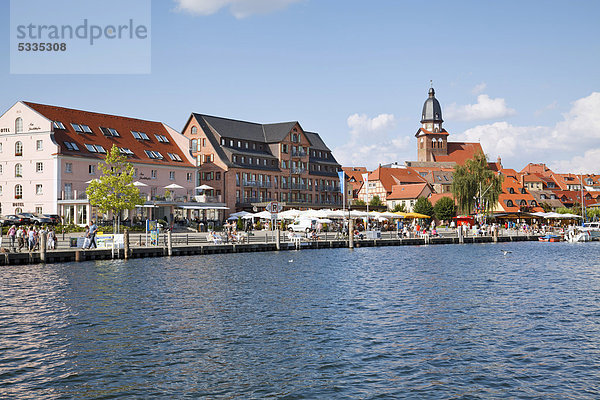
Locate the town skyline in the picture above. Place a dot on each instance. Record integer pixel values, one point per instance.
(503, 84)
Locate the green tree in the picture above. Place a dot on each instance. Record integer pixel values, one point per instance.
(564, 210)
(445, 209)
(360, 203)
(423, 206)
(473, 182)
(547, 207)
(114, 190)
(399, 208)
(375, 201)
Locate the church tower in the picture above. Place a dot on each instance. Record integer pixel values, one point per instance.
(432, 138)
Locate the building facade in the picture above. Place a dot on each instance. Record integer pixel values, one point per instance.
(249, 164)
(50, 154)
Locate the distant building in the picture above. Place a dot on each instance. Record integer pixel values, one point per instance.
(382, 180)
(433, 147)
(250, 164)
(407, 195)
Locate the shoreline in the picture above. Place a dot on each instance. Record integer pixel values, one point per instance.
(80, 255)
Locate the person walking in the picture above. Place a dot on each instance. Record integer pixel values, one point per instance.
(93, 230)
(21, 237)
(12, 235)
(30, 239)
(51, 239)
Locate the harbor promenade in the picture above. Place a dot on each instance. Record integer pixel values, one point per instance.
(185, 244)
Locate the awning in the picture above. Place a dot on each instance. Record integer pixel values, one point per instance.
(202, 207)
(145, 206)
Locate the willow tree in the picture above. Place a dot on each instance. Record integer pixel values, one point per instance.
(475, 186)
(114, 191)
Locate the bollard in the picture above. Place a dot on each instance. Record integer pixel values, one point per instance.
(78, 255)
(126, 244)
(351, 234)
(495, 234)
(43, 239)
(169, 244)
(278, 240)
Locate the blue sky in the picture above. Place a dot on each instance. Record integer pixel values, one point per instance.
(521, 77)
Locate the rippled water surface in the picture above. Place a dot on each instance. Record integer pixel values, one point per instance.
(430, 322)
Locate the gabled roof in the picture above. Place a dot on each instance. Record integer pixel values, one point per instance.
(275, 133)
(405, 192)
(395, 176)
(424, 131)
(234, 129)
(520, 195)
(459, 152)
(435, 197)
(123, 125)
(533, 168)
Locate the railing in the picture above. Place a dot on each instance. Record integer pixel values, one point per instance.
(298, 153)
(328, 188)
(298, 170)
(260, 184)
(249, 200)
(203, 198)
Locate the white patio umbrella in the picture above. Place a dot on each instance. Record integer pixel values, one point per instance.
(204, 187)
(289, 214)
(91, 180)
(240, 214)
(138, 183)
(173, 186)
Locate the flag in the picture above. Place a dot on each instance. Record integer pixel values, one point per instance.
(342, 176)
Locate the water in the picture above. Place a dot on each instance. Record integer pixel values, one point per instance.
(430, 322)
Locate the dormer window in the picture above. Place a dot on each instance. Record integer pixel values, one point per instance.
(511, 190)
(161, 138)
(58, 125)
(109, 131)
(140, 135)
(510, 203)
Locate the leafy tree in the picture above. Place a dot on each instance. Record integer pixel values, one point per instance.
(547, 207)
(360, 203)
(593, 214)
(375, 201)
(423, 206)
(564, 210)
(114, 190)
(473, 182)
(399, 208)
(445, 209)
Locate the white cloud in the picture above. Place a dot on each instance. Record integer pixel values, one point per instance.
(238, 8)
(371, 141)
(485, 108)
(588, 163)
(479, 88)
(571, 145)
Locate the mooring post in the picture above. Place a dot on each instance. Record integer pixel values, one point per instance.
(43, 239)
(126, 243)
(351, 233)
(278, 240)
(495, 234)
(169, 244)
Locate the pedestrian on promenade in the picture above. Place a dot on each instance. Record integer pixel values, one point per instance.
(51, 239)
(93, 230)
(21, 237)
(30, 239)
(12, 235)
(86, 237)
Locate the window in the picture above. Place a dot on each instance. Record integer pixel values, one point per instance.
(284, 148)
(92, 169)
(194, 144)
(172, 175)
(0, 190)
(0, 168)
(162, 138)
(38, 210)
(39, 167)
(239, 144)
(174, 157)
(222, 141)
(126, 151)
(38, 189)
(153, 174)
(0, 147)
(95, 148)
(194, 130)
(18, 171)
(140, 135)
(39, 145)
(154, 154)
(71, 146)
(188, 176)
(18, 192)
(19, 125)
(109, 131)
(18, 149)
(230, 142)
(523, 203)
(511, 190)
(58, 125)
(86, 129)
(204, 142)
(68, 168)
(510, 203)
(135, 172)
(218, 176)
(77, 128)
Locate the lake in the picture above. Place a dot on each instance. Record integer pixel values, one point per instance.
(426, 322)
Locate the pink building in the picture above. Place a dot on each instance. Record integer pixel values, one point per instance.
(48, 156)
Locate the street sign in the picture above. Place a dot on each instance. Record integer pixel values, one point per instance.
(274, 207)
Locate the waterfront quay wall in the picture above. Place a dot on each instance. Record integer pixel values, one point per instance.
(78, 255)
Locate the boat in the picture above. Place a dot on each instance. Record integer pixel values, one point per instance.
(593, 229)
(550, 238)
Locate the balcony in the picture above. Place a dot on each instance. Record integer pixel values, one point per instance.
(203, 198)
(258, 184)
(298, 171)
(298, 153)
(328, 188)
(250, 200)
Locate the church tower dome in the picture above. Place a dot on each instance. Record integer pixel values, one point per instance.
(432, 111)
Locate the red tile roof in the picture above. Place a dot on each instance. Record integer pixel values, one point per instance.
(123, 125)
(410, 191)
(520, 195)
(459, 152)
(435, 197)
(541, 169)
(395, 176)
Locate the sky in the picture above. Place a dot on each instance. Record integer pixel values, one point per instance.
(521, 77)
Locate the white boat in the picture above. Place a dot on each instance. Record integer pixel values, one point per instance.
(593, 228)
(586, 233)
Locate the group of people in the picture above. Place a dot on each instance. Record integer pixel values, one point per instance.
(29, 236)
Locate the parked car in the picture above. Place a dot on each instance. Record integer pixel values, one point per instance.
(55, 218)
(303, 225)
(40, 219)
(8, 220)
(26, 217)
